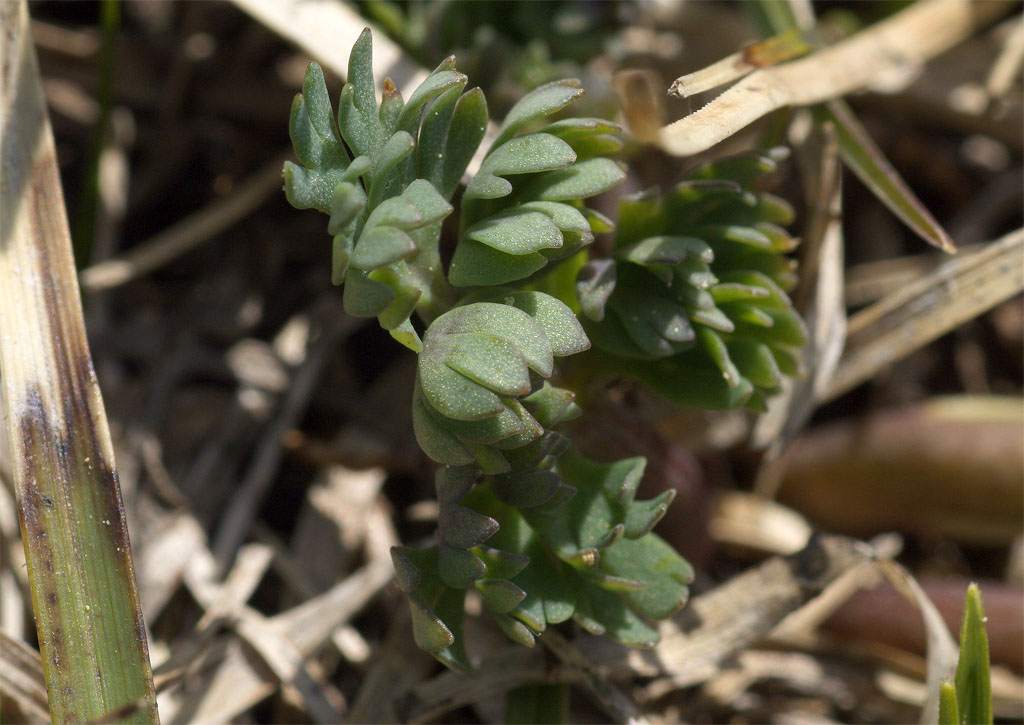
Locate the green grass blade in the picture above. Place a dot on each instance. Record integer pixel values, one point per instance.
(973, 681)
(949, 711)
(89, 624)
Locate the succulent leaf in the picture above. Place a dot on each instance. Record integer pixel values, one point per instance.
(695, 290)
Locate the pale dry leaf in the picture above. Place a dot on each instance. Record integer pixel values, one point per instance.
(904, 41)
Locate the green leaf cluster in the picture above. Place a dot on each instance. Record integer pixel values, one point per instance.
(693, 301)
(385, 175)
(524, 207)
(573, 543)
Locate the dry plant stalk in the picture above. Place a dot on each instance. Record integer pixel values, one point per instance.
(91, 634)
(896, 45)
(958, 291)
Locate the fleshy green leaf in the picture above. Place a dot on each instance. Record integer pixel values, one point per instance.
(380, 247)
(594, 285)
(478, 264)
(649, 560)
(532, 153)
(537, 104)
(516, 232)
(949, 711)
(465, 133)
(560, 326)
(579, 181)
(491, 361)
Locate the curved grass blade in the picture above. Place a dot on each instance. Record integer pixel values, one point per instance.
(868, 162)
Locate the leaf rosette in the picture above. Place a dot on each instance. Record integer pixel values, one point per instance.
(693, 302)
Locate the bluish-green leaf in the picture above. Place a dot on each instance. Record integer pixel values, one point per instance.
(310, 189)
(494, 362)
(362, 296)
(464, 136)
(594, 286)
(380, 247)
(436, 83)
(433, 437)
(537, 104)
(357, 108)
(387, 167)
(517, 232)
(433, 134)
(528, 154)
(648, 559)
(452, 394)
(311, 125)
(563, 330)
(478, 264)
(579, 181)
(391, 105)
(502, 321)
(346, 204)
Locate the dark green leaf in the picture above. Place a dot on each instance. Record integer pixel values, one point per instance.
(458, 567)
(500, 595)
(463, 528)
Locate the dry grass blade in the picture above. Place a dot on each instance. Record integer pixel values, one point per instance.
(327, 29)
(957, 291)
(92, 638)
(187, 234)
(904, 41)
(942, 650)
(732, 616)
(21, 678)
(786, 46)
